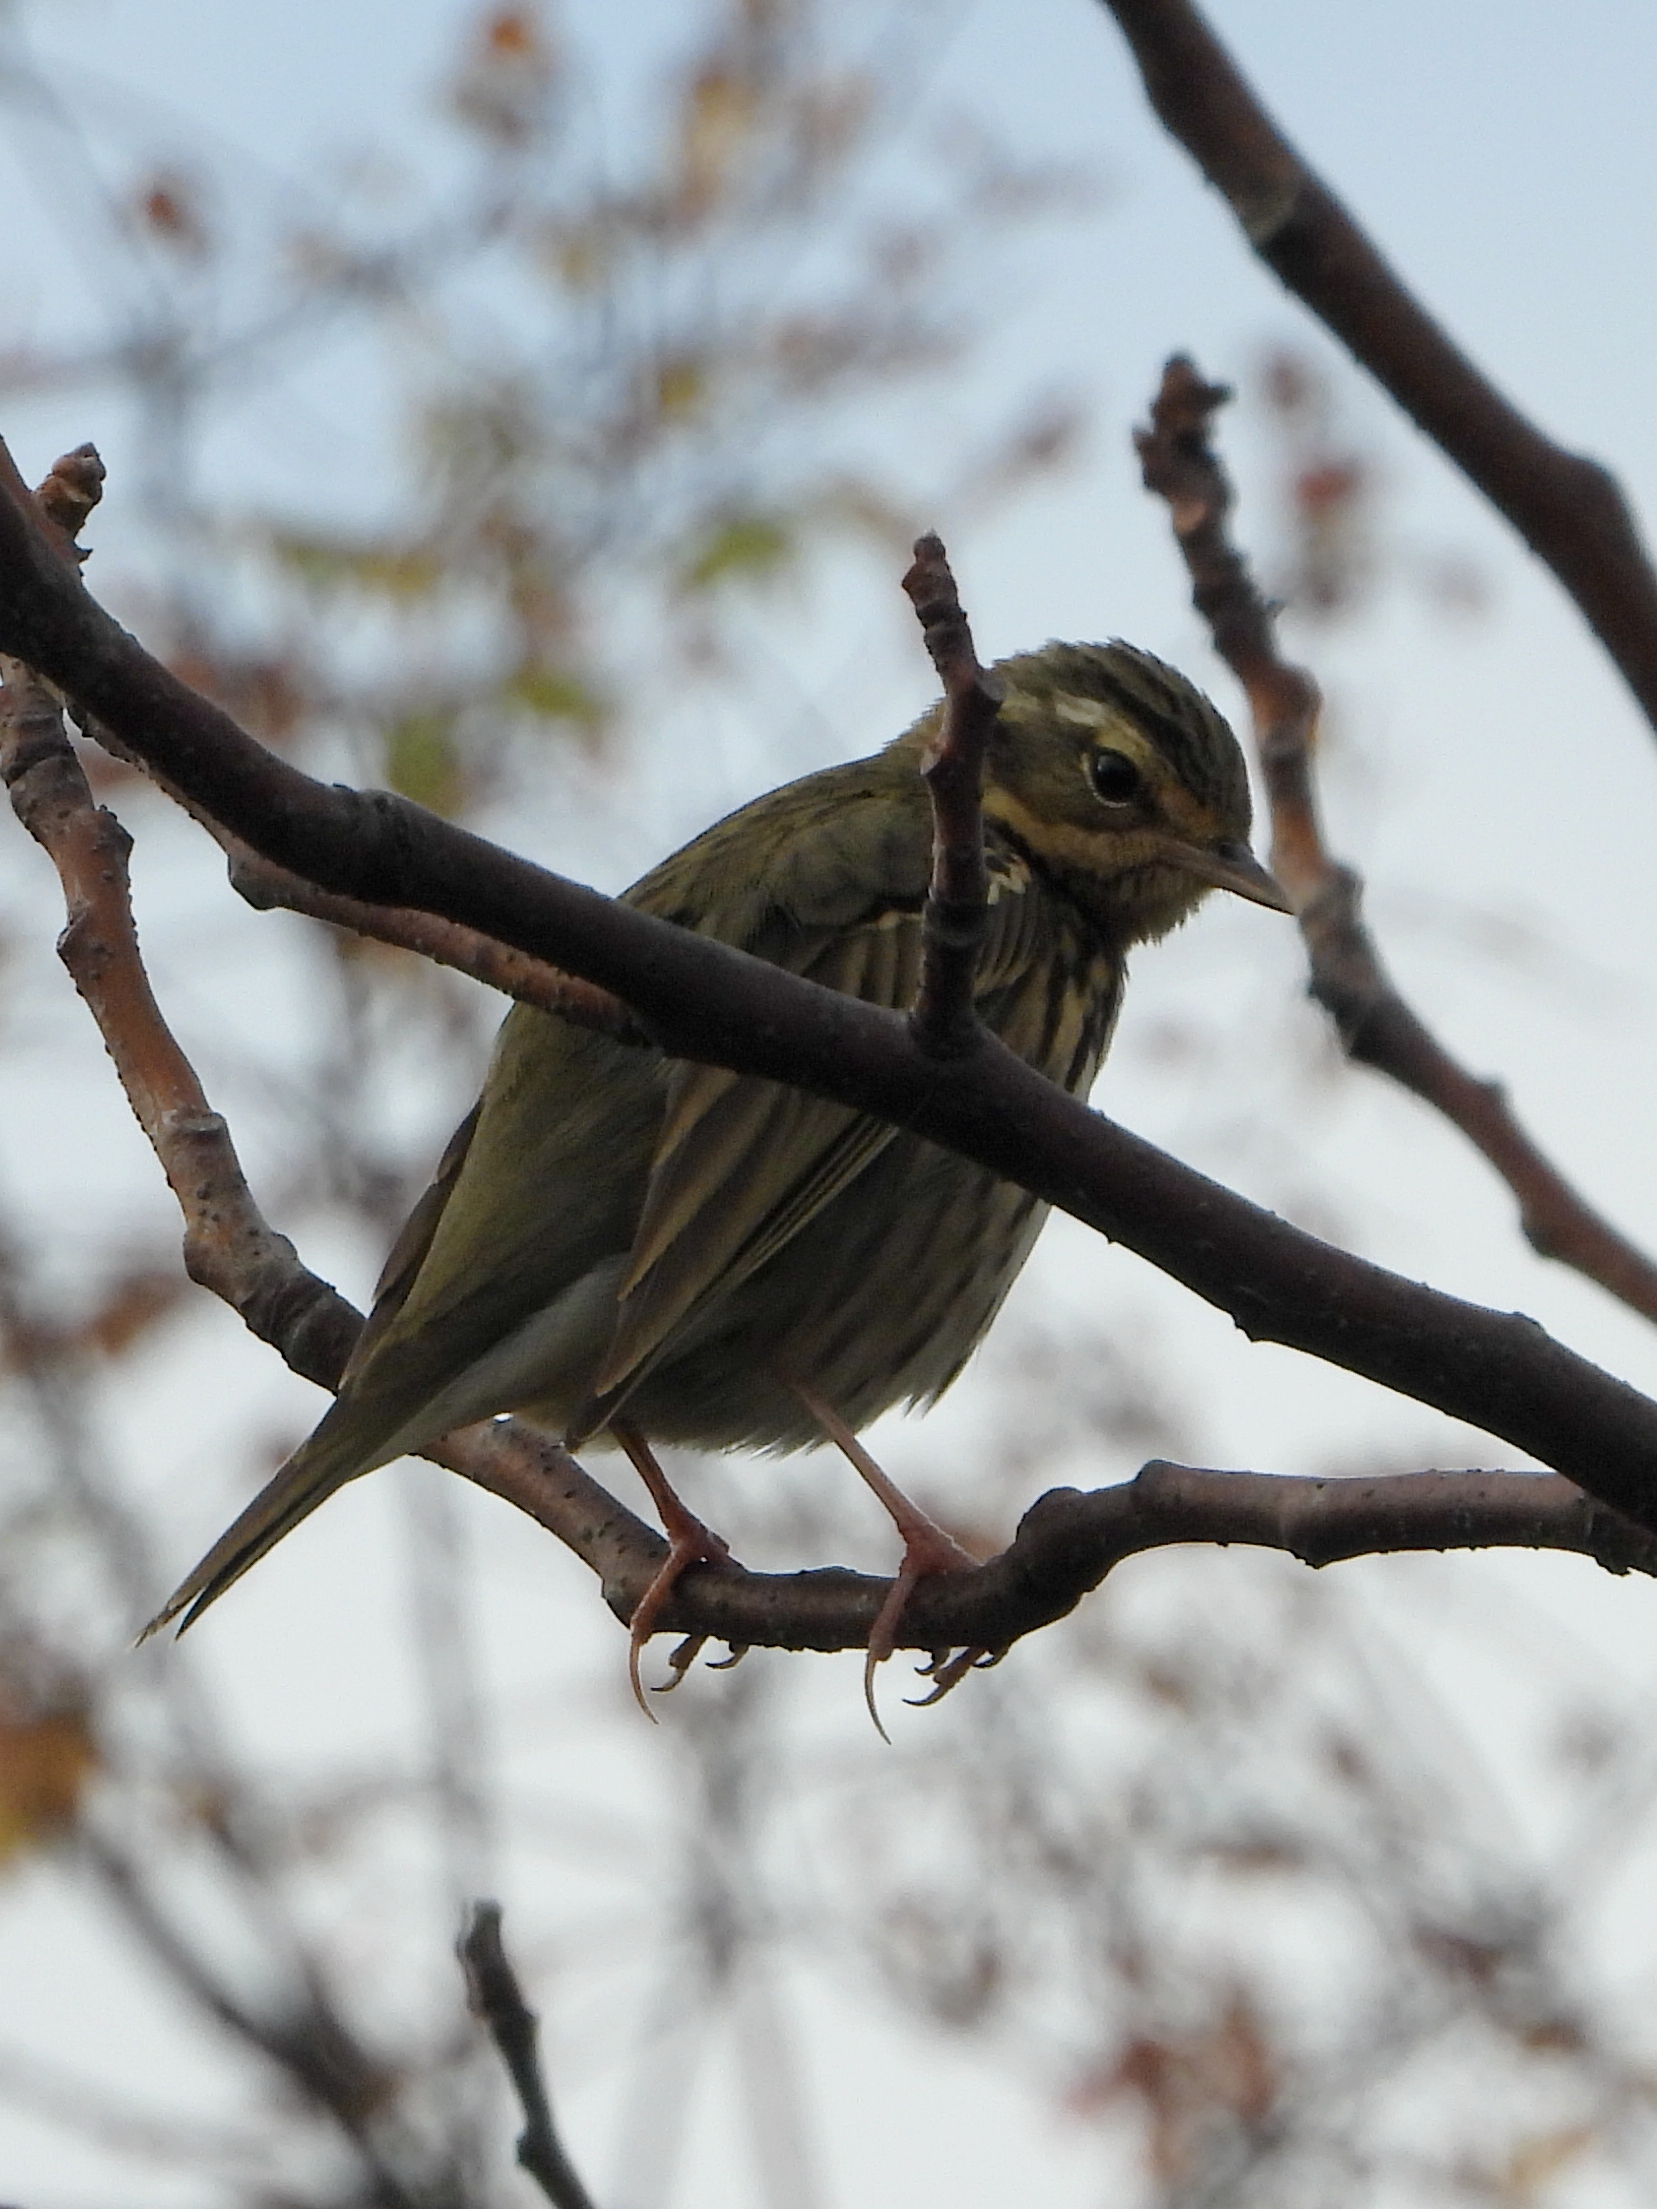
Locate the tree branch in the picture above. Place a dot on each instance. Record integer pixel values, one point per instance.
(1066, 1543)
(1568, 508)
(229, 1246)
(495, 1996)
(943, 1019)
(1069, 1540)
(267, 888)
(1376, 1026)
(304, 2038)
(709, 1003)
(498, 965)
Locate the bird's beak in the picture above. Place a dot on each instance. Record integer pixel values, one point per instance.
(1231, 867)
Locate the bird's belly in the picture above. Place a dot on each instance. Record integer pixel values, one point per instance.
(878, 1301)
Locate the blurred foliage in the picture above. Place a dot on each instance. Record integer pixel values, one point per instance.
(629, 383)
(48, 1757)
(1185, 1868)
(1339, 552)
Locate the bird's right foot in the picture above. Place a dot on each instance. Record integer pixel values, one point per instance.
(689, 1542)
(927, 1550)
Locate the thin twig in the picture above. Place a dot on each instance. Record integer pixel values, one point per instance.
(956, 914)
(268, 887)
(495, 1996)
(70, 494)
(1348, 979)
(1568, 508)
(305, 2038)
(514, 973)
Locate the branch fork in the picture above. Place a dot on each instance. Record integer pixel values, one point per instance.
(1279, 1284)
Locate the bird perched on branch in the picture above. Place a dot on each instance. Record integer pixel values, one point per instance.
(627, 1247)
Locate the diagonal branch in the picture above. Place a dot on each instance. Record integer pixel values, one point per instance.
(1066, 1543)
(1568, 508)
(495, 1996)
(1348, 979)
(466, 950)
(268, 888)
(229, 1246)
(956, 913)
(709, 1003)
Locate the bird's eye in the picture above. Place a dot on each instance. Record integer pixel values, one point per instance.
(1114, 777)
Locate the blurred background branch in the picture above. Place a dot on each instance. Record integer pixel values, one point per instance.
(533, 423)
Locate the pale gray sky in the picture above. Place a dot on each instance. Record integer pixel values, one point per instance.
(1502, 154)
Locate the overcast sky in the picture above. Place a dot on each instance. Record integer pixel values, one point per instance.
(1488, 774)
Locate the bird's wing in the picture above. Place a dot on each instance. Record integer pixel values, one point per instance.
(557, 1097)
(408, 1253)
(742, 1165)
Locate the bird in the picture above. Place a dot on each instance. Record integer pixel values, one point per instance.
(625, 1248)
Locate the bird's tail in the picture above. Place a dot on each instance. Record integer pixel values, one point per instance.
(318, 1467)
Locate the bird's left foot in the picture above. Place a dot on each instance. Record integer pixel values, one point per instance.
(949, 1668)
(689, 1542)
(927, 1550)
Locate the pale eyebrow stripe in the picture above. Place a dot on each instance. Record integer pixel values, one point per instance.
(1085, 713)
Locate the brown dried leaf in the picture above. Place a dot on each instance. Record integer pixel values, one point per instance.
(128, 1309)
(1228, 2065)
(502, 87)
(169, 206)
(46, 1762)
(720, 112)
(1240, 2062)
(1534, 2163)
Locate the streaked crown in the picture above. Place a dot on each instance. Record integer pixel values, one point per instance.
(1189, 731)
(1118, 777)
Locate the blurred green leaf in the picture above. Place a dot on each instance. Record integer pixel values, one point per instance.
(423, 762)
(680, 385)
(746, 545)
(557, 694)
(374, 564)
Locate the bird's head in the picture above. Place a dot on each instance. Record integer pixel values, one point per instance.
(1118, 778)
